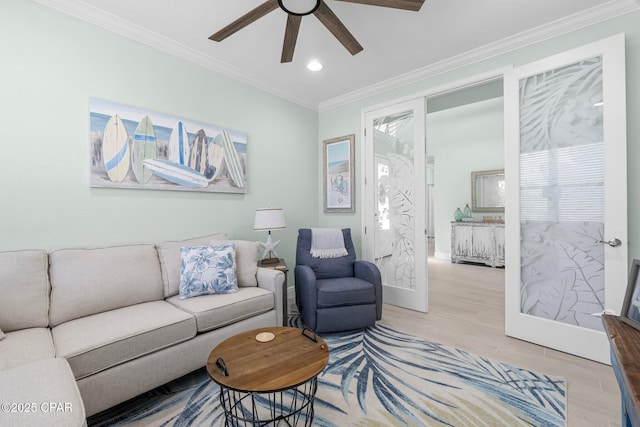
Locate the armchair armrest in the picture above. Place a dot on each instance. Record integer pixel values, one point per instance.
(368, 271)
(273, 280)
(306, 294)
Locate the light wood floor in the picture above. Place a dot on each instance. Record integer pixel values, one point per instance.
(466, 310)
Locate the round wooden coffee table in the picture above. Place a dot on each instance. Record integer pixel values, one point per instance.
(268, 375)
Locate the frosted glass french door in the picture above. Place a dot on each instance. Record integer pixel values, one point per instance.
(395, 201)
(566, 222)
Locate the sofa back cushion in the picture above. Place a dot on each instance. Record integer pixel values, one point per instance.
(246, 262)
(90, 281)
(24, 290)
(169, 254)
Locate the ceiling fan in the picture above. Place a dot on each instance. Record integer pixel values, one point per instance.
(321, 11)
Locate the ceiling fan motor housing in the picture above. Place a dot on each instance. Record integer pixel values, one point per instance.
(311, 7)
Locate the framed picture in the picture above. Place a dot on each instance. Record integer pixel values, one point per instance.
(630, 313)
(339, 177)
(137, 148)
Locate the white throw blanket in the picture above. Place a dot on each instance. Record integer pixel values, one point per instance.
(327, 243)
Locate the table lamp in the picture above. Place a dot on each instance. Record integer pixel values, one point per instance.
(269, 219)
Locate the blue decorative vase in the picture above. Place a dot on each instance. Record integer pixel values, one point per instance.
(457, 215)
(466, 213)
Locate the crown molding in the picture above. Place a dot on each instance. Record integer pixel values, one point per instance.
(601, 13)
(100, 18)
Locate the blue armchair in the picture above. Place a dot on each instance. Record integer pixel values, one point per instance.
(336, 294)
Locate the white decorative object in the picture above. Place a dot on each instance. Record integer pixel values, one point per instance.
(269, 219)
(477, 242)
(265, 337)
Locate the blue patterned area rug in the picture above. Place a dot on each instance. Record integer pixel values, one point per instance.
(378, 377)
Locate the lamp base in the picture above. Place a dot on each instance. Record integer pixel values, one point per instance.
(270, 260)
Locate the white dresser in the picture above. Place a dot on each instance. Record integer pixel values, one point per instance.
(481, 242)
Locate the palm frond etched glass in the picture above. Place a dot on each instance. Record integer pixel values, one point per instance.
(394, 232)
(562, 194)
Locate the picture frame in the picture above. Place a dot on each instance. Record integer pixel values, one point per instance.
(487, 191)
(338, 174)
(141, 149)
(630, 313)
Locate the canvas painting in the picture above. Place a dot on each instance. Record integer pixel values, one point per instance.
(338, 175)
(141, 149)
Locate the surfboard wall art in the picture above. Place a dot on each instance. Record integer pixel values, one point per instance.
(178, 147)
(143, 148)
(231, 158)
(115, 149)
(136, 148)
(198, 152)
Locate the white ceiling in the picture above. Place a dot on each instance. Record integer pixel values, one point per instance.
(399, 46)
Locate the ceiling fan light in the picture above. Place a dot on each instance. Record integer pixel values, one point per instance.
(314, 65)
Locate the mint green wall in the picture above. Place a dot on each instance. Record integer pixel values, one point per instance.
(462, 140)
(51, 65)
(346, 119)
(332, 126)
(340, 122)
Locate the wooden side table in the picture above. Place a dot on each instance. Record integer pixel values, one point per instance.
(282, 266)
(268, 375)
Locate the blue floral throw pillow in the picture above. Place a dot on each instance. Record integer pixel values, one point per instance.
(206, 270)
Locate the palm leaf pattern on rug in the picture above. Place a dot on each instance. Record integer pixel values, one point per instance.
(381, 377)
(380, 360)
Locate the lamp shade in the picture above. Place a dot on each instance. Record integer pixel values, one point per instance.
(269, 219)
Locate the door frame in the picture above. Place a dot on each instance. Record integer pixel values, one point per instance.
(417, 298)
(468, 82)
(424, 96)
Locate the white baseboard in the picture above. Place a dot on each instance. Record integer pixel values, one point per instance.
(445, 256)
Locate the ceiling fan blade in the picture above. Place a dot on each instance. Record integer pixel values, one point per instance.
(244, 20)
(413, 5)
(337, 28)
(290, 38)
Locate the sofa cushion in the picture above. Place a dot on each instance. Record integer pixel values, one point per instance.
(246, 262)
(48, 391)
(169, 254)
(24, 286)
(94, 343)
(25, 346)
(345, 291)
(90, 281)
(207, 270)
(216, 311)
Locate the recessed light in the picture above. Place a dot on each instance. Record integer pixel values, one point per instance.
(314, 65)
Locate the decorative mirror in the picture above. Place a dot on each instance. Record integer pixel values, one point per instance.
(487, 191)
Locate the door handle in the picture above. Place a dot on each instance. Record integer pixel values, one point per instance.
(613, 242)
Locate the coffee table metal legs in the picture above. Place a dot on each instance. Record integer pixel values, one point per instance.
(289, 407)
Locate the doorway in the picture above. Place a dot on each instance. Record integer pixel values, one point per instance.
(556, 102)
(465, 134)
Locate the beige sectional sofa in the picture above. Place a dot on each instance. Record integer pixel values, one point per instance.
(108, 322)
